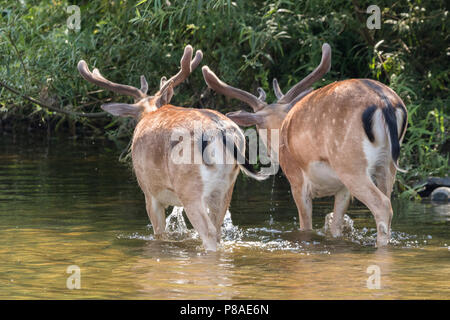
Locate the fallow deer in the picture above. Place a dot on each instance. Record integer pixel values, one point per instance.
(204, 190)
(342, 139)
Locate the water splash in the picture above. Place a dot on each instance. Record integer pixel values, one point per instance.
(347, 224)
(271, 246)
(272, 206)
(229, 231)
(273, 238)
(175, 222)
(368, 237)
(176, 227)
(136, 236)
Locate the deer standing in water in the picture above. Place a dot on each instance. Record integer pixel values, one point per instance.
(203, 189)
(341, 140)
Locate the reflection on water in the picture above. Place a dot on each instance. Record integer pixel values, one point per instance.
(65, 202)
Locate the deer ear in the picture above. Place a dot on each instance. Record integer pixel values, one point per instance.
(244, 118)
(122, 109)
(165, 94)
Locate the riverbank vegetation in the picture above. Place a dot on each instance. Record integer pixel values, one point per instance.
(248, 43)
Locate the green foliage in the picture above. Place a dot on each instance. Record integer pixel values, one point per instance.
(247, 43)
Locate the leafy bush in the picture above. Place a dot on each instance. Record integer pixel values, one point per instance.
(246, 42)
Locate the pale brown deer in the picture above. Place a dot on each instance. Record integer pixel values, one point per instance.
(203, 189)
(341, 140)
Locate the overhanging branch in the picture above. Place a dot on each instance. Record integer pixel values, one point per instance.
(51, 108)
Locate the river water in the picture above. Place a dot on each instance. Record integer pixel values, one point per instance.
(66, 202)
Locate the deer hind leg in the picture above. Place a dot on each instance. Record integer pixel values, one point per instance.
(217, 210)
(197, 214)
(303, 200)
(385, 178)
(362, 187)
(156, 213)
(299, 188)
(218, 205)
(341, 202)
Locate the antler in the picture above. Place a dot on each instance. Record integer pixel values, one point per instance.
(187, 66)
(276, 89)
(144, 85)
(322, 69)
(96, 78)
(221, 87)
(257, 103)
(262, 94)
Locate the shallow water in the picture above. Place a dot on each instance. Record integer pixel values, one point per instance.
(66, 202)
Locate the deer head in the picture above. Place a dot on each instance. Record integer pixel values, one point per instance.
(264, 115)
(142, 102)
